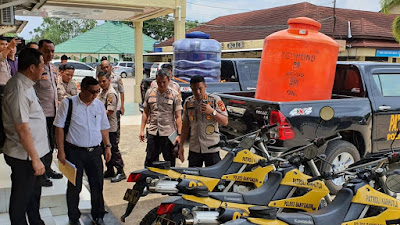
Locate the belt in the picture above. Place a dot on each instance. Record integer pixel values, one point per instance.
(89, 149)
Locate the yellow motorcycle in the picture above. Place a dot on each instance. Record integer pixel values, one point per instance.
(368, 198)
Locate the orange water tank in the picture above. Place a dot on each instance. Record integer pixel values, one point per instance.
(297, 64)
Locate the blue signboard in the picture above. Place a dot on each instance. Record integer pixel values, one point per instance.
(387, 53)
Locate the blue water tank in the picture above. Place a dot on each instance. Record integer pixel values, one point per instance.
(197, 55)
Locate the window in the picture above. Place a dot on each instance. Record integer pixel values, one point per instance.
(248, 71)
(129, 64)
(348, 82)
(122, 64)
(387, 84)
(80, 66)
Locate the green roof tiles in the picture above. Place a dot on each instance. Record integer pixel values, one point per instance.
(110, 38)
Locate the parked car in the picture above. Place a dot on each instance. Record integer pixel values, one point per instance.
(124, 69)
(156, 67)
(146, 69)
(81, 70)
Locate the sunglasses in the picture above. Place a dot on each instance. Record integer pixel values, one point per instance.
(93, 92)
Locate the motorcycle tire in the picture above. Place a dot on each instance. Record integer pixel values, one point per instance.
(335, 152)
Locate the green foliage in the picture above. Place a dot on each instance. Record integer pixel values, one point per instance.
(162, 28)
(386, 5)
(59, 30)
(10, 35)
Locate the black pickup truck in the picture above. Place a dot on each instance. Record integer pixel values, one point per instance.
(366, 102)
(238, 74)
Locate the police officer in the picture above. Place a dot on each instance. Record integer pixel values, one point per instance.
(46, 90)
(118, 86)
(109, 98)
(172, 84)
(81, 146)
(164, 107)
(202, 112)
(66, 88)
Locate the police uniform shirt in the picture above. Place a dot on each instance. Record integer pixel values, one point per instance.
(162, 108)
(65, 90)
(109, 98)
(87, 121)
(5, 72)
(21, 105)
(118, 86)
(46, 90)
(172, 84)
(204, 131)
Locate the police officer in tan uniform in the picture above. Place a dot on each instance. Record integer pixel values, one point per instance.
(46, 90)
(202, 112)
(109, 97)
(164, 107)
(116, 82)
(172, 84)
(66, 88)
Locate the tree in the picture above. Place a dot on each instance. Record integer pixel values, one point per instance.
(386, 5)
(162, 28)
(59, 30)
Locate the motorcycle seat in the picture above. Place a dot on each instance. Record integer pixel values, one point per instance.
(336, 211)
(214, 171)
(227, 197)
(296, 218)
(267, 190)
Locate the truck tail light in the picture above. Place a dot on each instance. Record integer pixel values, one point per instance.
(285, 129)
(134, 177)
(165, 209)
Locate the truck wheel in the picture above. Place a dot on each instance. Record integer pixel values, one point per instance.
(340, 154)
(123, 75)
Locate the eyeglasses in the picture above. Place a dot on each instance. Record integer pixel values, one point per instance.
(93, 92)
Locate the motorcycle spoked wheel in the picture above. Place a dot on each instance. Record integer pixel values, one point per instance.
(151, 218)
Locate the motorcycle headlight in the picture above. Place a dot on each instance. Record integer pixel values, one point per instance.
(148, 180)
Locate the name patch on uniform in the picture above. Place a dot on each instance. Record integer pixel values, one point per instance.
(210, 129)
(152, 100)
(168, 101)
(221, 105)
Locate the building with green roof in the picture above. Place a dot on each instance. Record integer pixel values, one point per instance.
(111, 39)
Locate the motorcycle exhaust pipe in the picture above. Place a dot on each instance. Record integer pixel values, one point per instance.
(164, 186)
(204, 217)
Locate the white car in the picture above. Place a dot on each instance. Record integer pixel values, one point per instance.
(156, 67)
(81, 70)
(123, 69)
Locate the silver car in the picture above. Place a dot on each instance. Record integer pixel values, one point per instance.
(123, 69)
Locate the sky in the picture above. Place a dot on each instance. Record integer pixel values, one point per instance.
(206, 10)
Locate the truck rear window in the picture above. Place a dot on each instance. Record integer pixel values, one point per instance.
(388, 84)
(348, 82)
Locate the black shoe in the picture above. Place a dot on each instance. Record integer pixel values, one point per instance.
(46, 182)
(53, 174)
(74, 222)
(109, 173)
(118, 178)
(98, 221)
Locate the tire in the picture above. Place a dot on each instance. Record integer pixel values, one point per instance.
(123, 75)
(151, 217)
(340, 154)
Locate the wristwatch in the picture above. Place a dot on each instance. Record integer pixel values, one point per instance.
(214, 112)
(107, 146)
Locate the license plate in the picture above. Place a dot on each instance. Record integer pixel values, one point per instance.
(132, 196)
(164, 221)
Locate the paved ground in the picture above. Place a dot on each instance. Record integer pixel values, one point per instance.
(133, 153)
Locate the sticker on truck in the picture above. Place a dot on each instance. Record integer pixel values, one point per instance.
(301, 111)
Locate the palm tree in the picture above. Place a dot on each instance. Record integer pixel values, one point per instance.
(386, 5)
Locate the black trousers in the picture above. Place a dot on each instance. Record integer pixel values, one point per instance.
(51, 135)
(155, 146)
(118, 125)
(116, 158)
(26, 190)
(92, 164)
(197, 159)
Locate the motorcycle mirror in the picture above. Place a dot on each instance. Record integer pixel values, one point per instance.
(326, 113)
(393, 182)
(247, 142)
(310, 152)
